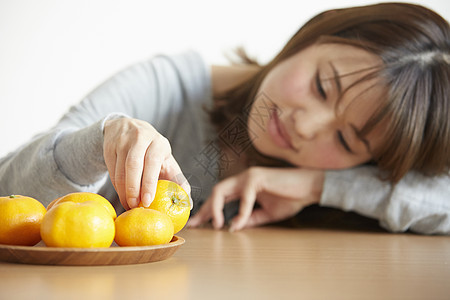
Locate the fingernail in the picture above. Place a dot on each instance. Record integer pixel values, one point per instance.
(234, 226)
(191, 202)
(216, 224)
(146, 200)
(231, 227)
(132, 202)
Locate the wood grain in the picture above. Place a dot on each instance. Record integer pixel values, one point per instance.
(262, 263)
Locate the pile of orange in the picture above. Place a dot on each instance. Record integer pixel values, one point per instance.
(87, 220)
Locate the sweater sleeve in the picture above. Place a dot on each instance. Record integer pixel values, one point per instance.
(69, 156)
(38, 170)
(417, 203)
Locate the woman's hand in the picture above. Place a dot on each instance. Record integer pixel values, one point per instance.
(137, 156)
(280, 192)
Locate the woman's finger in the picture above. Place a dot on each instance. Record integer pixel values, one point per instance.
(110, 161)
(157, 152)
(245, 207)
(202, 216)
(225, 191)
(172, 171)
(119, 180)
(134, 165)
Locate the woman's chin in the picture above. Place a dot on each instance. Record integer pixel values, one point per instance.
(274, 154)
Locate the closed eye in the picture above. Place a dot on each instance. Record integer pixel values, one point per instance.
(320, 87)
(343, 142)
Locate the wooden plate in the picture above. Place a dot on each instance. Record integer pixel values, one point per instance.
(113, 255)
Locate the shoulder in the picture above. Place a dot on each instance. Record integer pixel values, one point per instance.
(188, 64)
(192, 68)
(191, 71)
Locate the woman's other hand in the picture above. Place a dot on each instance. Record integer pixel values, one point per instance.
(137, 156)
(281, 193)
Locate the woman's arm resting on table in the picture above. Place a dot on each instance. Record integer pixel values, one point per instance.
(417, 202)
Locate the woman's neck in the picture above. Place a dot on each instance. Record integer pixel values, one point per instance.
(225, 77)
(233, 158)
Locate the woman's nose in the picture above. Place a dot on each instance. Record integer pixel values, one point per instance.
(308, 124)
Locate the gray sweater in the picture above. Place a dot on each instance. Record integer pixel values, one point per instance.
(170, 92)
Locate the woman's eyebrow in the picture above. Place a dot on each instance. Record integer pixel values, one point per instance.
(362, 139)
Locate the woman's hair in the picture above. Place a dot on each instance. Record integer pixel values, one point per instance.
(413, 43)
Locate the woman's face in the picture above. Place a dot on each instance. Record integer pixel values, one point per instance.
(302, 116)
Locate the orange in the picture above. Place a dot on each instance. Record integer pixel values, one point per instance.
(143, 227)
(80, 220)
(20, 220)
(80, 197)
(172, 200)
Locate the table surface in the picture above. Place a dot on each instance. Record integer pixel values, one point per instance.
(275, 262)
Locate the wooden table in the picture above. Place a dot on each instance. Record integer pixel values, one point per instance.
(263, 263)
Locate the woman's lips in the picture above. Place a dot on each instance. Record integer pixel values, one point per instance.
(277, 131)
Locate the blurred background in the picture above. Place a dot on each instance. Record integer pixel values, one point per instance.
(53, 52)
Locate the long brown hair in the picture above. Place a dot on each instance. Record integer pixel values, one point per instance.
(413, 43)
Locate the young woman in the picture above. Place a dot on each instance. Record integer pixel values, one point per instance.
(352, 113)
(365, 85)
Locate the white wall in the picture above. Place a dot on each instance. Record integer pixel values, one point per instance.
(53, 52)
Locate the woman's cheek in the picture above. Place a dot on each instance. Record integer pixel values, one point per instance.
(328, 158)
(292, 92)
